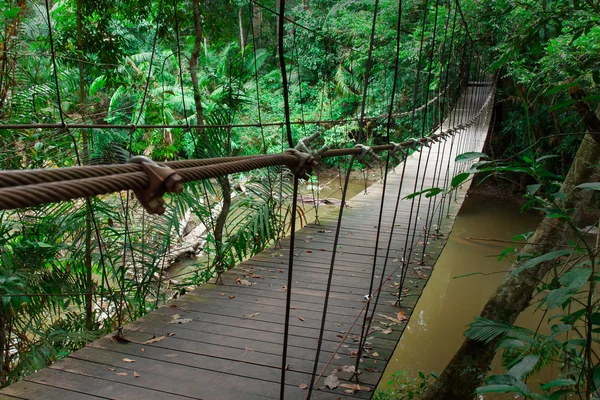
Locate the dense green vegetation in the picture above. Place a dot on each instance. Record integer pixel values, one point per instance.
(72, 271)
(76, 270)
(548, 64)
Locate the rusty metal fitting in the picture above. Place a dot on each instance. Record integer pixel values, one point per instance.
(436, 137)
(397, 147)
(425, 142)
(308, 158)
(306, 163)
(413, 144)
(161, 180)
(365, 151)
(303, 144)
(396, 152)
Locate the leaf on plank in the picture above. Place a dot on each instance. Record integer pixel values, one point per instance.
(154, 339)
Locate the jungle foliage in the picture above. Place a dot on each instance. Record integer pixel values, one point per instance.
(76, 270)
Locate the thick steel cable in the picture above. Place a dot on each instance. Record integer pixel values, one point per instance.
(23, 188)
(36, 176)
(30, 195)
(343, 200)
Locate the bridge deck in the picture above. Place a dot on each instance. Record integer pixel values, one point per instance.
(231, 347)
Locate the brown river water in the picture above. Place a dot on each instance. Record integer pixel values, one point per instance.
(448, 304)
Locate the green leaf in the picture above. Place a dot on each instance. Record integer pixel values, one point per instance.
(575, 278)
(525, 366)
(596, 377)
(512, 344)
(596, 77)
(559, 88)
(558, 382)
(538, 260)
(532, 189)
(558, 297)
(595, 320)
(495, 389)
(12, 12)
(562, 104)
(472, 155)
(500, 62)
(460, 178)
(427, 192)
(589, 186)
(507, 379)
(98, 84)
(538, 160)
(560, 328)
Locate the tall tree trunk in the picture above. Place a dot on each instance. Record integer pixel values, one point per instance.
(241, 27)
(7, 62)
(470, 365)
(194, 65)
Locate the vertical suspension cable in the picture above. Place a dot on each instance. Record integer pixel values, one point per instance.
(427, 226)
(284, 81)
(127, 236)
(286, 102)
(449, 111)
(343, 200)
(367, 325)
(405, 256)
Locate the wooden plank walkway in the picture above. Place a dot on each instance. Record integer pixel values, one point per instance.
(231, 347)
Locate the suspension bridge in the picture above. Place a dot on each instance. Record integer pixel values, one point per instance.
(316, 315)
(227, 341)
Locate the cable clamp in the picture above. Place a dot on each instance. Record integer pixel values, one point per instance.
(396, 152)
(425, 142)
(437, 137)
(161, 180)
(308, 158)
(413, 144)
(366, 151)
(306, 163)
